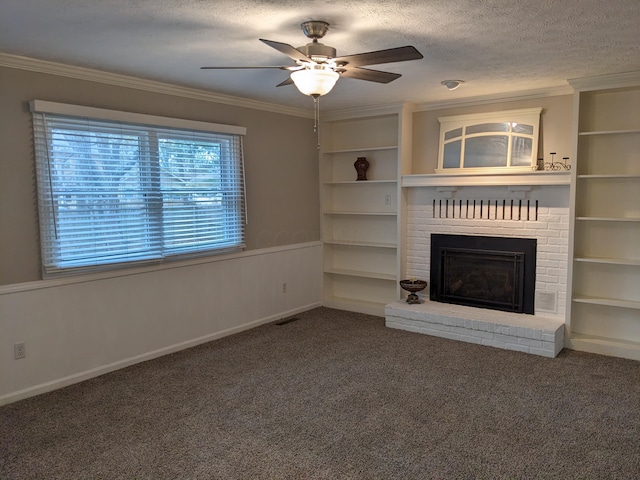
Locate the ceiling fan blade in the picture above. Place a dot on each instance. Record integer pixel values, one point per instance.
(287, 49)
(369, 75)
(399, 54)
(288, 81)
(280, 67)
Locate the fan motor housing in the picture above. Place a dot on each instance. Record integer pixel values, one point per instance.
(318, 52)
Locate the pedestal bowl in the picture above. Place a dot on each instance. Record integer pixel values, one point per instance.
(413, 286)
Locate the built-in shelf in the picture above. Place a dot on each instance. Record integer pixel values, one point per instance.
(608, 219)
(363, 149)
(361, 219)
(610, 302)
(604, 271)
(630, 176)
(605, 346)
(608, 132)
(361, 182)
(361, 273)
(389, 214)
(475, 179)
(361, 244)
(609, 261)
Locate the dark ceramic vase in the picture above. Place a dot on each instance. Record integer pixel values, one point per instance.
(361, 165)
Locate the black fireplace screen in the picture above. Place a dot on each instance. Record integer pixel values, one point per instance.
(487, 272)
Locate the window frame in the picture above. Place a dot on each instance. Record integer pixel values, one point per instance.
(150, 130)
(448, 124)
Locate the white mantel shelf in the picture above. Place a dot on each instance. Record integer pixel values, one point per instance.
(489, 179)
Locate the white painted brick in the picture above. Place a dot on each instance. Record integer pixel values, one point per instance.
(470, 339)
(483, 326)
(547, 278)
(493, 343)
(481, 334)
(557, 241)
(557, 271)
(517, 347)
(400, 326)
(555, 210)
(561, 257)
(530, 342)
(542, 220)
(443, 334)
(462, 331)
(547, 263)
(439, 327)
(541, 352)
(542, 255)
(550, 249)
(448, 321)
(505, 338)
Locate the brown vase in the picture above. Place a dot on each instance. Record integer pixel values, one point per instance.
(361, 165)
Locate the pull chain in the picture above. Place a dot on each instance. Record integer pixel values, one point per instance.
(316, 117)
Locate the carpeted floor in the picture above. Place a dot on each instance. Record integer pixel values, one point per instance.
(335, 395)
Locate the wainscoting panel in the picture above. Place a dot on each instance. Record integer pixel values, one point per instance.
(75, 329)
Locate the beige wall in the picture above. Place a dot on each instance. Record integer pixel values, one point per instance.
(280, 162)
(555, 128)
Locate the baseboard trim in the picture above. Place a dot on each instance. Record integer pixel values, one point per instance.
(98, 371)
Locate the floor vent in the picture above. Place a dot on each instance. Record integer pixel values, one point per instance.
(287, 320)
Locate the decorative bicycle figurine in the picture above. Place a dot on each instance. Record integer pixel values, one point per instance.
(552, 165)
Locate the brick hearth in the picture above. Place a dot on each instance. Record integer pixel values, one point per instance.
(511, 331)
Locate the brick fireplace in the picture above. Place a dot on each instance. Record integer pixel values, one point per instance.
(541, 213)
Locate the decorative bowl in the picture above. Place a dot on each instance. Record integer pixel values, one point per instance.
(413, 286)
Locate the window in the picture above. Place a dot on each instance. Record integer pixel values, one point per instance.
(117, 188)
(506, 141)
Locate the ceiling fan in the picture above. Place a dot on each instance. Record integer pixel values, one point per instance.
(317, 68)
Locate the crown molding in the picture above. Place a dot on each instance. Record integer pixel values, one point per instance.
(615, 80)
(366, 111)
(500, 97)
(83, 73)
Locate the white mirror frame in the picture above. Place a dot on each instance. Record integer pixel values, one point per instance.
(527, 116)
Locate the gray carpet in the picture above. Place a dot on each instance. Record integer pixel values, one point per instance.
(335, 395)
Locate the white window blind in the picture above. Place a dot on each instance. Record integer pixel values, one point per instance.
(114, 192)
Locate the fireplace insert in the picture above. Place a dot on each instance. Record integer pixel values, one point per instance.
(487, 272)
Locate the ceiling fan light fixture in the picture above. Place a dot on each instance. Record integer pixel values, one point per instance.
(452, 84)
(315, 81)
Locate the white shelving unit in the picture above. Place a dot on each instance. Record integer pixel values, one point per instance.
(605, 309)
(361, 220)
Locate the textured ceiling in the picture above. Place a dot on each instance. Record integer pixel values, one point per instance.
(496, 46)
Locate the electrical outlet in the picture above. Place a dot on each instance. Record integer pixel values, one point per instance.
(387, 199)
(19, 350)
(284, 288)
